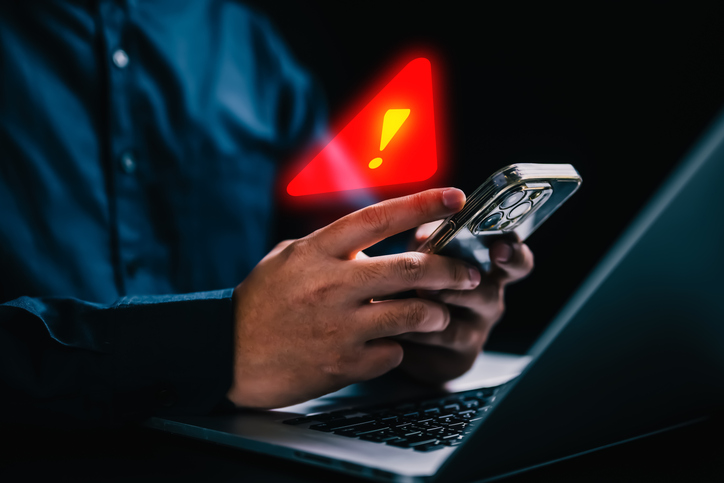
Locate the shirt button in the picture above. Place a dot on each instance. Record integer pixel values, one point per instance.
(128, 162)
(120, 58)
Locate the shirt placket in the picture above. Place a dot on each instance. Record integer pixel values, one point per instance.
(129, 169)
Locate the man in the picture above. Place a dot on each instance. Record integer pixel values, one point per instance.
(139, 144)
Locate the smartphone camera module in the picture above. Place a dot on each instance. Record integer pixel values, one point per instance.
(513, 210)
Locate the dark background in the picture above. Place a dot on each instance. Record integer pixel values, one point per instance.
(619, 91)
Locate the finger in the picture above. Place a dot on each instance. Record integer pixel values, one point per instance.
(510, 261)
(363, 228)
(388, 318)
(389, 274)
(379, 357)
(486, 301)
(458, 336)
(424, 231)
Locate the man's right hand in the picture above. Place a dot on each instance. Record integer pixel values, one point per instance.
(306, 322)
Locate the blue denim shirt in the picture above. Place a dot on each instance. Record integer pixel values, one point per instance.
(138, 146)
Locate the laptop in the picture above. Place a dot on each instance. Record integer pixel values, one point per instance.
(638, 349)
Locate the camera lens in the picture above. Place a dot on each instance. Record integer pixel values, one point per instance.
(511, 200)
(519, 210)
(489, 222)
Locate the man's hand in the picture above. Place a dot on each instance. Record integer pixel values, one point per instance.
(305, 322)
(439, 356)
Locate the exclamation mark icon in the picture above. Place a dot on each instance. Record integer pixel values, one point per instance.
(394, 119)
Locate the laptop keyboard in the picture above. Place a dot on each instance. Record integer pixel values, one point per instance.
(423, 426)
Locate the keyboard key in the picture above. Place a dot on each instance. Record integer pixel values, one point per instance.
(402, 442)
(370, 429)
(421, 440)
(380, 437)
(452, 442)
(449, 436)
(428, 447)
(387, 417)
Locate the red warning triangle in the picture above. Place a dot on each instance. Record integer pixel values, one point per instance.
(391, 141)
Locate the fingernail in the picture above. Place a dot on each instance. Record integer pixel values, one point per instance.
(474, 276)
(453, 198)
(503, 253)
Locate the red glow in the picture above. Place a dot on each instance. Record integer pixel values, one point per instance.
(409, 155)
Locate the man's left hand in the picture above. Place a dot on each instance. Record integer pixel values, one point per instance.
(436, 357)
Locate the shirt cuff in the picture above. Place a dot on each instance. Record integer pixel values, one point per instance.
(172, 355)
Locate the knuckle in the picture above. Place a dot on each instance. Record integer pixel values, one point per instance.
(376, 218)
(415, 314)
(388, 319)
(419, 205)
(411, 267)
(320, 292)
(285, 243)
(297, 249)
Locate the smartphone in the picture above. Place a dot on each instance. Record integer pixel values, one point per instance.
(512, 203)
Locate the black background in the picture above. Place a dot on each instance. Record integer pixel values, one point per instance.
(620, 91)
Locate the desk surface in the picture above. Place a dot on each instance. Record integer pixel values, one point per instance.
(693, 453)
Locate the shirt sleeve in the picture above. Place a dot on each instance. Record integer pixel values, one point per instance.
(64, 361)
